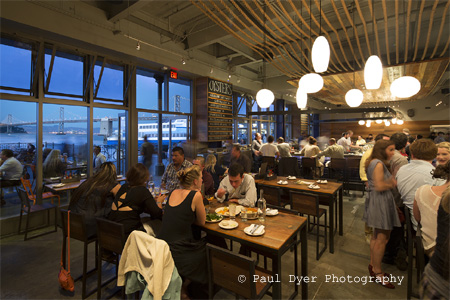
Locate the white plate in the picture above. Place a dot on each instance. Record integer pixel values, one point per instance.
(314, 187)
(304, 182)
(271, 212)
(258, 232)
(283, 182)
(228, 224)
(224, 210)
(322, 181)
(291, 178)
(119, 176)
(58, 185)
(55, 178)
(215, 221)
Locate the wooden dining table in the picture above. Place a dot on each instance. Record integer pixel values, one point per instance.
(281, 234)
(331, 191)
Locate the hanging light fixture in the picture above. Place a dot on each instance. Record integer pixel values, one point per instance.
(320, 52)
(405, 86)
(354, 97)
(264, 97)
(399, 122)
(394, 120)
(311, 83)
(368, 123)
(387, 123)
(302, 98)
(361, 122)
(378, 121)
(373, 70)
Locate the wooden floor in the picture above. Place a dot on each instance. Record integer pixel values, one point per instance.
(29, 269)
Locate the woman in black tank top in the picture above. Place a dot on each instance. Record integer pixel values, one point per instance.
(184, 209)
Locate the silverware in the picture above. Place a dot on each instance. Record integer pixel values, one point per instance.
(254, 229)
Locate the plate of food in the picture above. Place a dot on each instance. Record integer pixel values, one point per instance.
(223, 211)
(163, 192)
(252, 213)
(58, 185)
(228, 224)
(210, 198)
(213, 218)
(304, 182)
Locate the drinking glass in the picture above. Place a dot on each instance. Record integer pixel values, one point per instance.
(157, 190)
(244, 214)
(232, 210)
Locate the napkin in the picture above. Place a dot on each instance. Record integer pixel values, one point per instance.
(258, 231)
(271, 212)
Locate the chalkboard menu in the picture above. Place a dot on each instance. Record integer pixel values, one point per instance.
(214, 110)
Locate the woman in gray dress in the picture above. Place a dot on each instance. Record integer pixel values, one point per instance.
(380, 210)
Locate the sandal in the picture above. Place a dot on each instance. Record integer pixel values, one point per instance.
(381, 281)
(371, 272)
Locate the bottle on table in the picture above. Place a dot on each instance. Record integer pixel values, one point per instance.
(261, 207)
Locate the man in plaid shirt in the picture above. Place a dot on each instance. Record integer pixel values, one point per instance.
(170, 181)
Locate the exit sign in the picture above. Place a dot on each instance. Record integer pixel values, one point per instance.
(173, 75)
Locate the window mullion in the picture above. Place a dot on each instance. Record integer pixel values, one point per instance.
(50, 70)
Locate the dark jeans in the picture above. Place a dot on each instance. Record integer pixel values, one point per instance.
(396, 242)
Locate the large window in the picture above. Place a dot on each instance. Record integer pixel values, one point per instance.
(108, 82)
(18, 133)
(147, 90)
(15, 70)
(180, 96)
(64, 78)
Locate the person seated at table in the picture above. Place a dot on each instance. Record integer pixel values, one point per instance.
(238, 158)
(269, 149)
(360, 141)
(312, 151)
(283, 148)
(332, 151)
(237, 187)
(10, 170)
(94, 197)
(53, 165)
(208, 182)
(133, 199)
(185, 208)
(214, 169)
(443, 155)
(426, 205)
(257, 155)
(169, 180)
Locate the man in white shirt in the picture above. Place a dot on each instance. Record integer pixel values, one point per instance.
(283, 148)
(343, 141)
(417, 173)
(10, 169)
(269, 149)
(237, 187)
(99, 159)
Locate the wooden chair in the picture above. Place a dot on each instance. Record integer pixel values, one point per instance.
(270, 160)
(307, 203)
(78, 231)
(288, 166)
(111, 237)
(225, 267)
(412, 240)
(309, 167)
(28, 209)
(30, 193)
(337, 168)
(352, 172)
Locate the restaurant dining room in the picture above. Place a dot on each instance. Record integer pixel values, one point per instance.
(202, 149)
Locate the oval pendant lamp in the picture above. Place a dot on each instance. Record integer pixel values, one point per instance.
(310, 83)
(405, 87)
(302, 98)
(373, 73)
(354, 97)
(320, 54)
(264, 98)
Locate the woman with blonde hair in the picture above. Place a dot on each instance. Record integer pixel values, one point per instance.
(215, 170)
(443, 155)
(53, 165)
(380, 210)
(185, 208)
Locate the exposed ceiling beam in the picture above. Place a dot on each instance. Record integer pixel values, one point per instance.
(117, 12)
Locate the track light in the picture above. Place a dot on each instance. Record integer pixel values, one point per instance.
(183, 61)
(211, 71)
(138, 46)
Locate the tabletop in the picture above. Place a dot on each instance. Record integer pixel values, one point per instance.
(325, 188)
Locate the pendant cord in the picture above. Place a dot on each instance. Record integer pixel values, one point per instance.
(353, 20)
(320, 18)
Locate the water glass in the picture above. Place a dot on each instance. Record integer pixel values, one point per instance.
(157, 191)
(232, 210)
(244, 214)
(151, 186)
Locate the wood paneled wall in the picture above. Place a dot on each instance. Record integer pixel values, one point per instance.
(335, 129)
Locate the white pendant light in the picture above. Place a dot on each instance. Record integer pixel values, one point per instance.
(378, 121)
(354, 97)
(387, 123)
(394, 120)
(311, 83)
(302, 98)
(405, 87)
(368, 124)
(361, 122)
(373, 73)
(400, 122)
(264, 98)
(320, 54)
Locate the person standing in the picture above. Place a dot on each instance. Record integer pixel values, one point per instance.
(99, 159)
(147, 150)
(343, 141)
(169, 180)
(256, 153)
(11, 171)
(380, 211)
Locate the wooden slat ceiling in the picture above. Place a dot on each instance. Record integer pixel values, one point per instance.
(410, 32)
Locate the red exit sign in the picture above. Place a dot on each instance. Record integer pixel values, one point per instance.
(173, 75)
